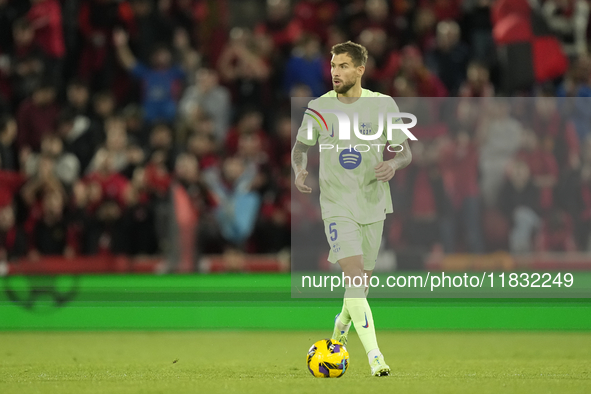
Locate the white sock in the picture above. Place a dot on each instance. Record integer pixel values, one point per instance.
(373, 354)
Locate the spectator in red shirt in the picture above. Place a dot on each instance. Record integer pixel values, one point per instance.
(103, 108)
(10, 184)
(414, 70)
(23, 35)
(111, 184)
(157, 176)
(250, 122)
(556, 234)
(519, 201)
(477, 83)
(284, 29)
(137, 130)
(424, 22)
(374, 14)
(162, 140)
(8, 13)
(543, 168)
(50, 232)
(458, 161)
(250, 150)
(78, 97)
(37, 116)
(28, 62)
(580, 206)
(211, 19)
(96, 20)
(281, 141)
(273, 229)
(46, 19)
(138, 218)
(13, 240)
(382, 64)
(106, 200)
(427, 200)
(556, 133)
(244, 68)
(443, 9)
(314, 16)
(8, 132)
(202, 146)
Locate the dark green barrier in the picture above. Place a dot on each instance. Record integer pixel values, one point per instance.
(250, 301)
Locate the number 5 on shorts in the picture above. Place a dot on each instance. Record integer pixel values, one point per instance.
(333, 231)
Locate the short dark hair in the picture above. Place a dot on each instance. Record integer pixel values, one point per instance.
(357, 52)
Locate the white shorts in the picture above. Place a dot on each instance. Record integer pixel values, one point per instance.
(348, 238)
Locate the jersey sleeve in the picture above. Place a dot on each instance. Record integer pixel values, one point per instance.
(398, 136)
(309, 119)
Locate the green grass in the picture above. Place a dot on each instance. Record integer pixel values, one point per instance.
(274, 362)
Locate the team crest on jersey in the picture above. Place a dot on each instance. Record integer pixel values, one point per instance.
(365, 128)
(336, 248)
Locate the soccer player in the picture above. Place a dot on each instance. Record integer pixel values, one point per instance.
(354, 190)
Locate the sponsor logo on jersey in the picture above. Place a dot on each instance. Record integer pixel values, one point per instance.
(350, 159)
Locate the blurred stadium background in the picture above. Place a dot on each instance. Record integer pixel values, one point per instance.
(130, 128)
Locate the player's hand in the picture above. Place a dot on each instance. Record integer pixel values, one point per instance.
(299, 182)
(384, 171)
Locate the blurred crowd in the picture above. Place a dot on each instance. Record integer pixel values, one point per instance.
(496, 174)
(109, 105)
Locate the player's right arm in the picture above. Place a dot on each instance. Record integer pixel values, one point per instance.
(299, 161)
(299, 153)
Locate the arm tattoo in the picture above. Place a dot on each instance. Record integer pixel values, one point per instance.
(402, 158)
(299, 156)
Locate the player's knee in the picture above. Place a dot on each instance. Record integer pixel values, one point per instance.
(352, 268)
(353, 277)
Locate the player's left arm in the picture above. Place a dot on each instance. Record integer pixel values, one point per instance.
(386, 169)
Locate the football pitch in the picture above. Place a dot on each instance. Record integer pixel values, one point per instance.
(274, 362)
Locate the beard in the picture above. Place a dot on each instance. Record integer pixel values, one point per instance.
(344, 88)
